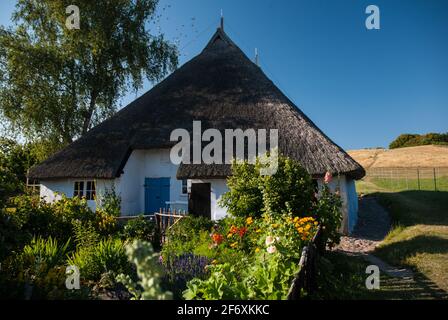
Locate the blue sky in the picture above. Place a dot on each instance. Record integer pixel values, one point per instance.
(361, 87)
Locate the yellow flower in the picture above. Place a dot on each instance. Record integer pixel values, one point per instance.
(249, 220)
(258, 230)
(296, 219)
(274, 225)
(316, 223)
(257, 249)
(307, 227)
(229, 235)
(215, 261)
(233, 245)
(300, 229)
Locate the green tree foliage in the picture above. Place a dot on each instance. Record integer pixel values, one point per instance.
(412, 140)
(15, 160)
(56, 83)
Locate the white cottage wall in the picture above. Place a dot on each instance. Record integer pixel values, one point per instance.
(130, 185)
(347, 192)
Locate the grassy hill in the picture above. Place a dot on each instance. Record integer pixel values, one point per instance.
(421, 156)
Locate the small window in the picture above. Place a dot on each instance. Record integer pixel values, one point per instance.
(184, 186)
(79, 189)
(90, 190)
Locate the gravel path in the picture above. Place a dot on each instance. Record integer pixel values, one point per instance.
(373, 225)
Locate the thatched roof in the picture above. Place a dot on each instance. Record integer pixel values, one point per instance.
(222, 88)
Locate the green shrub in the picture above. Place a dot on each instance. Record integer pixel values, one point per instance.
(110, 202)
(15, 160)
(290, 189)
(139, 228)
(189, 235)
(328, 212)
(37, 271)
(107, 255)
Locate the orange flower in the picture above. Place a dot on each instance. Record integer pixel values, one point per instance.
(217, 238)
(233, 230)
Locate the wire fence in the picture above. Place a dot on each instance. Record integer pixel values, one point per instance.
(396, 179)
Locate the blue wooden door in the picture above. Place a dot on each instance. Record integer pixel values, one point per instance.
(157, 193)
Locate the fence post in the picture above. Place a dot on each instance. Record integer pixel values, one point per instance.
(435, 179)
(418, 178)
(407, 184)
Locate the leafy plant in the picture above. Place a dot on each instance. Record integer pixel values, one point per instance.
(139, 228)
(38, 270)
(328, 211)
(189, 235)
(110, 202)
(107, 255)
(251, 194)
(149, 272)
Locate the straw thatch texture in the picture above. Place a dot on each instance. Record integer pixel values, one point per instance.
(222, 88)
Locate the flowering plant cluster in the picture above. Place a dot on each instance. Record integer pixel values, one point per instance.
(272, 246)
(233, 233)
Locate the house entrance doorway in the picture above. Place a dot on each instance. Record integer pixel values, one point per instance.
(199, 203)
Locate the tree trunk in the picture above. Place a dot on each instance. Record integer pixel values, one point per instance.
(89, 113)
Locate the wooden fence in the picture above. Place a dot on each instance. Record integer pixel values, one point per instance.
(306, 278)
(164, 220)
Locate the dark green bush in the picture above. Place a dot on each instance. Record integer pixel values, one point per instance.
(412, 140)
(289, 190)
(37, 272)
(139, 228)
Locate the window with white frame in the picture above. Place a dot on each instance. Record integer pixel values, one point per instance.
(78, 189)
(90, 190)
(85, 189)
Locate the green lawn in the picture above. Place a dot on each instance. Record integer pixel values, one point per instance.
(400, 184)
(347, 282)
(419, 238)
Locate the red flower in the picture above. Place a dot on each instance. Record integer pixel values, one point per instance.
(242, 231)
(217, 238)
